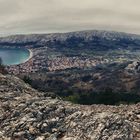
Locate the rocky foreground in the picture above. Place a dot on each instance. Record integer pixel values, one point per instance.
(26, 114)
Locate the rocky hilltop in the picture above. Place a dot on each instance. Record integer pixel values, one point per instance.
(26, 114)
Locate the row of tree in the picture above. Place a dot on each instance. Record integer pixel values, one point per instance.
(79, 96)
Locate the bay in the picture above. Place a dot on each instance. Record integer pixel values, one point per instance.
(14, 56)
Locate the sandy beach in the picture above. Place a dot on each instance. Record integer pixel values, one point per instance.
(30, 56)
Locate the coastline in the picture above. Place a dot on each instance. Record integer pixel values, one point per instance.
(30, 56)
(25, 61)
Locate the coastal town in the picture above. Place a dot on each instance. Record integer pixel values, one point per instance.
(38, 61)
(81, 50)
(41, 63)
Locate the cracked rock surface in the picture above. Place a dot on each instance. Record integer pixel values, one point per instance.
(26, 114)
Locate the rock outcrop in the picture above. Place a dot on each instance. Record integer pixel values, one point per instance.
(133, 68)
(26, 114)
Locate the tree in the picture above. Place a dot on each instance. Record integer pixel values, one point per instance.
(0, 61)
(2, 68)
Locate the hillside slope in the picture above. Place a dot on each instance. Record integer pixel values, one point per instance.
(26, 114)
(91, 37)
(88, 34)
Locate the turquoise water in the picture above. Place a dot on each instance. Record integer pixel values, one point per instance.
(14, 56)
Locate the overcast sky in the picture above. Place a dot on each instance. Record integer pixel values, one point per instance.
(46, 16)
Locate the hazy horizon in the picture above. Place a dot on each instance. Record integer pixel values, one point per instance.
(58, 16)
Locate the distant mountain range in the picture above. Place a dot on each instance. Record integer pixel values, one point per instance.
(95, 36)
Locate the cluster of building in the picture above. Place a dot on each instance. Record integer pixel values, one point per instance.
(42, 63)
(62, 63)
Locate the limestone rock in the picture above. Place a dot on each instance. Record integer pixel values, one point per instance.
(26, 114)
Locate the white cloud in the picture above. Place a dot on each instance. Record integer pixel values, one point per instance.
(37, 16)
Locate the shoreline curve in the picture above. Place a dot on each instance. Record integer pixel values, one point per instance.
(31, 54)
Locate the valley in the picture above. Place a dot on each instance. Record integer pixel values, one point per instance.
(81, 64)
